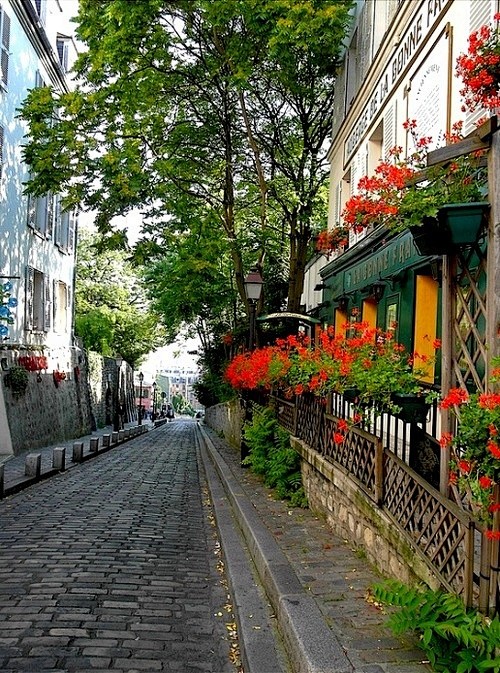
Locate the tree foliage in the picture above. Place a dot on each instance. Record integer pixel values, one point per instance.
(217, 101)
(111, 312)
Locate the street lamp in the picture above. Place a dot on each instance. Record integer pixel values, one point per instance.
(153, 417)
(141, 379)
(116, 405)
(253, 290)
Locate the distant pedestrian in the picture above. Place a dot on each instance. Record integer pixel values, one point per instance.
(170, 412)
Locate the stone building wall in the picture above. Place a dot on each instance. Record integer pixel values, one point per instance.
(53, 410)
(226, 419)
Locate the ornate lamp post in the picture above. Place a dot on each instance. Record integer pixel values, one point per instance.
(253, 290)
(153, 416)
(116, 405)
(141, 379)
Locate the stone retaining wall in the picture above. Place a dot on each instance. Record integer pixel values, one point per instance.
(353, 516)
(348, 510)
(226, 419)
(50, 411)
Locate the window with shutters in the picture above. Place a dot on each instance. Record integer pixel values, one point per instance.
(358, 168)
(5, 45)
(64, 226)
(480, 13)
(352, 71)
(61, 305)
(41, 214)
(41, 9)
(1, 151)
(38, 301)
(62, 44)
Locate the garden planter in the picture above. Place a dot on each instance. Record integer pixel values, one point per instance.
(431, 237)
(464, 221)
(413, 408)
(457, 224)
(351, 394)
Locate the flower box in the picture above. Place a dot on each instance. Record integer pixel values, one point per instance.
(464, 221)
(351, 394)
(413, 408)
(431, 237)
(457, 224)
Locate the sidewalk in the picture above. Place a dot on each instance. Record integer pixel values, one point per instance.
(336, 576)
(14, 466)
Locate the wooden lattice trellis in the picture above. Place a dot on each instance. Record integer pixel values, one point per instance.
(442, 533)
(469, 348)
(357, 454)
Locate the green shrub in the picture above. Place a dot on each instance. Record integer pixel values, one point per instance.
(17, 380)
(272, 457)
(455, 639)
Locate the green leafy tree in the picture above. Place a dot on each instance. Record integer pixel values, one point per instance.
(198, 106)
(112, 315)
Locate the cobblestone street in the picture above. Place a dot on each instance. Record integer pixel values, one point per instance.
(112, 566)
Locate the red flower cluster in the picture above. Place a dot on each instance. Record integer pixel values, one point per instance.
(378, 196)
(254, 369)
(479, 68)
(404, 192)
(32, 363)
(332, 240)
(367, 359)
(475, 450)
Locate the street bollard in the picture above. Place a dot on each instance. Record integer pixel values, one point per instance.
(121, 436)
(33, 465)
(94, 444)
(77, 452)
(2, 481)
(106, 439)
(114, 438)
(59, 458)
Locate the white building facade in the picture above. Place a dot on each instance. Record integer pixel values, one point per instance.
(37, 238)
(399, 64)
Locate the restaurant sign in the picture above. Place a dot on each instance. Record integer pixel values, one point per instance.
(380, 265)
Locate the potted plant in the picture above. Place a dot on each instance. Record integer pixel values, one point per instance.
(479, 68)
(392, 378)
(367, 367)
(17, 380)
(333, 240)
(404, 194)
(475, 450)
